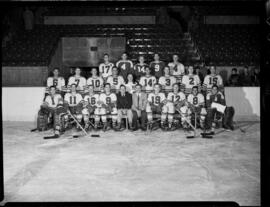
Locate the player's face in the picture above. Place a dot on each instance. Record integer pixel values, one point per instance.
(233, 72)
(114, 71)
(56, 73)
(138, 89)
(106, 58)
(195, 91)
(122, 89)
(78, 71)
(175, 58)
(107, 89)
(156, 57)
(190, 70)
(130, 78)
(157, 89)
(166, 71)
(147, 71)
(175, 88)
(52, 91)
(94, 71)
(124, 56)
(212, 70)
(214, 90)
(141, 59)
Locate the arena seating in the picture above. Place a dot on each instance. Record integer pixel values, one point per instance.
(228, 44)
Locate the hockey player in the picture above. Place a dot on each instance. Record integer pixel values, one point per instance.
(91, 106)
(115, 80)
(57, 81)
(78, 80)
(74, 101)
(131, 84)
(167, 80)
(148, 81)
(54, 109)
(108, 107)
(176, 100)
(196, 104)
(212, 79)
(190, 80)
(139, 68)
(156, 104)
(124, 66)
(217, 110)
(96, 81)
(105, 68)
(177, 69)
(157, 66)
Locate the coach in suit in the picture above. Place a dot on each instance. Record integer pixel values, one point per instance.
(139, 100)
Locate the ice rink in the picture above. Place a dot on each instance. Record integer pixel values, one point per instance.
(132, 166)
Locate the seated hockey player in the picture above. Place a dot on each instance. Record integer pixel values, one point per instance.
(177, 69)
(167, 80)
(139, 68)
(74, 102)
(78, 80)
(108, 107)
(115, 80)
(196, 105)
(91, 107)
(96, 81)
(217, 110)
(52, 109)
(124, 103)
(156, 105)
(190, 80)
(176, 100)
(148, 81)
(212, 79)
(57, 81)
(105, 68)
(157, 66)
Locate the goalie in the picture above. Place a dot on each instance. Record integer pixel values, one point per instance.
(217, 110)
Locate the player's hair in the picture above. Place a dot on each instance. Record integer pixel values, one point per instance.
(234, 69)
(215, 86)
(124, 53)
(56, 68)
(166, 67)
(52, 87)
(73, 84)
(90, 86)
(176, 84)
(176, 55)
(94, 68)
(157, 84)
(106, 54)
(140, 56)
(77, 68)
(114, 68)
(156, 54)
(122, 85)
(195, 87)
(138, 85)
(107, 84)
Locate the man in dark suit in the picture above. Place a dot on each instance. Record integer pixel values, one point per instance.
(124, 103)
(139, 101)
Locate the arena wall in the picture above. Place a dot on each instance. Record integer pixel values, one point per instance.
(22, 103)
(232, 20)
(99, 20)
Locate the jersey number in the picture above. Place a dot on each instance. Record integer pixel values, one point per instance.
(141, 69)
(92, 101)
(156, 100)
(55, 81)
(108, 100)
(115, 81)
(52, 101)
(77, 82)
(213, 81)
(148, 83)
(168, 82)
(191, 81)
(157, 67)
(96, 83)
(123, 66)
(176, 98)
(74, 100)
(195, 100)
(107, 67)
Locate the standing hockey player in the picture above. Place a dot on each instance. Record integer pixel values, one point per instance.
(131, 84)
(190, 80)
(167, 80)
(148, 81)
(57, 81)
(91, 107)
(217, 110)
(96, 81)
(115, 80)
(176, 100)
(108, 108)
(74, 101)
(139, 68)
(78, 80)
(157, 66)
(156, 105)
(212, 79)
(177, 69)
(105, 68)
(125, 66)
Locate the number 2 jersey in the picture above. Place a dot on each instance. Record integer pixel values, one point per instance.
(157, 68)
(148, 83)
(156, 99)
(197, 100)
(211, 80)
(167, 83)
(188, 81)
(79, 81)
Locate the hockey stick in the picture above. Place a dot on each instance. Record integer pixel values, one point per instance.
(76, 136)
(241, 129)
